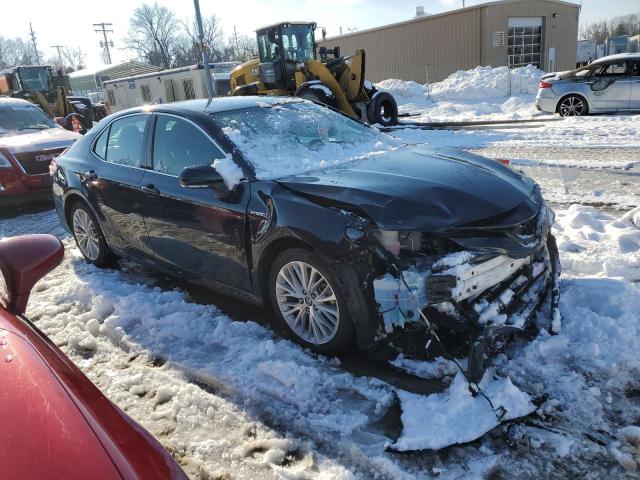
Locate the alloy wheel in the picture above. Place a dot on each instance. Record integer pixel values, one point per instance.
(572, 107)
(86, 234)
(307, 302)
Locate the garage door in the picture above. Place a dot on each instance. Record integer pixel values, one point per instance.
(524, 40)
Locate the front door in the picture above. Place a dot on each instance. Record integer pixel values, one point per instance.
(113, 183)
(197, 230)
(610, 87)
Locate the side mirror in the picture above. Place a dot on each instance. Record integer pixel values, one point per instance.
(23, 261)
(200, 176)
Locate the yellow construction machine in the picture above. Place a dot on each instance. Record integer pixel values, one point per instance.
(288, 64)
(37, 84)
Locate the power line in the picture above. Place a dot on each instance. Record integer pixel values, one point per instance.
(106, 43)
(35, 45)
(58, 47)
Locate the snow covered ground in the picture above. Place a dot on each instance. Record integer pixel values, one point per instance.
(232, 399)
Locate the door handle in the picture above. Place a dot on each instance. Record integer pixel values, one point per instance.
(150, 189)
(90, 175)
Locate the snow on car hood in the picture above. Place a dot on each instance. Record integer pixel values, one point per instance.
(422, 188)
(30, 140)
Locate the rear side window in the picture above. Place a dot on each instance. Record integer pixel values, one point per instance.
(124, 146)
(178, 144)
(100, 147)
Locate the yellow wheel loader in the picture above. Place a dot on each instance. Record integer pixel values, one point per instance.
(38, 85)
(288, 64)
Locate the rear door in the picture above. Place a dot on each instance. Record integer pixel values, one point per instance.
(193, 229)
(610, 87)
(113, 185)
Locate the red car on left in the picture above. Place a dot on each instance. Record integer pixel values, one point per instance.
(29, 140)
(55, 423)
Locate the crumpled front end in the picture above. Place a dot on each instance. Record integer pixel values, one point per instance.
(487, 292)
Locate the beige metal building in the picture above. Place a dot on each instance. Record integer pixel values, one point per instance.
(507, 32)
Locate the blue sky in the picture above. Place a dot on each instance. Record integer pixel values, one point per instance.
(245, 15)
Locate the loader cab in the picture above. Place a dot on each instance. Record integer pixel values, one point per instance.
(281, 47)
(20, 81)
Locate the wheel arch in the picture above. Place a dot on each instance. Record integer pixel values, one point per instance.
(270, 252)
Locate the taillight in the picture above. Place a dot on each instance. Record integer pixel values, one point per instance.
(53, 166)
(504, 161)
(544, 84)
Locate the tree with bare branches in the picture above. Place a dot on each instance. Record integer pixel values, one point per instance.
(154, 34)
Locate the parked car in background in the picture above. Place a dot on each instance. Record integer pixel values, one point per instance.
(608, 84)
(55, 422)
(29, 140)
(284, 202)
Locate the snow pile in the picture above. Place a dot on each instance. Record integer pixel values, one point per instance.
(595, 244)
(487, 82)
(404, 91)
(482, 92)
(455, 416)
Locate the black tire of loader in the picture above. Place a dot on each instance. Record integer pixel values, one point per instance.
(382, 109)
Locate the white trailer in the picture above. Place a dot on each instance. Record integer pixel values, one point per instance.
(166, 86)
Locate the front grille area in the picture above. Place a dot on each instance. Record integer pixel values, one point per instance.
(37, 163)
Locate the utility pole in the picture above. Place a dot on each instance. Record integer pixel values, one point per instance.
(235, 43)
(204, 49)
(58, 47)
(105, 44)
(35, 45)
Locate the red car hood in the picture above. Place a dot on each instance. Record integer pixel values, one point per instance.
(32, 140)
(54, 423)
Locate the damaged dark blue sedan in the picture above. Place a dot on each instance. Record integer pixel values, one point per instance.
(351, 236)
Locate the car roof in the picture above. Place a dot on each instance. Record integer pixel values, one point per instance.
(617, 57)
(215, 105)
(15, 102)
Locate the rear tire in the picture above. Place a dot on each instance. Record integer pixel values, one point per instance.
(308, 303)
(573, 106)
(382, 109)
(88, 236)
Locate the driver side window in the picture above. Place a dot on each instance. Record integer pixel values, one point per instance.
(178, 144)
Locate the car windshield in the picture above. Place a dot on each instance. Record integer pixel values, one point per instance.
(23, 117)
(299, 136)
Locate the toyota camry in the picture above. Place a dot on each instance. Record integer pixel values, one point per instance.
(350, 235)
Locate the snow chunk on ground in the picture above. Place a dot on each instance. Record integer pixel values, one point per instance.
(230, 172)
(455, 416)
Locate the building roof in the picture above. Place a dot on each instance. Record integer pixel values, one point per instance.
(426, 17)
(115, 70)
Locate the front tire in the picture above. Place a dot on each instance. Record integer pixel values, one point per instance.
(88, 236)
(573, 106)
(308, 303)
(382, 109)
